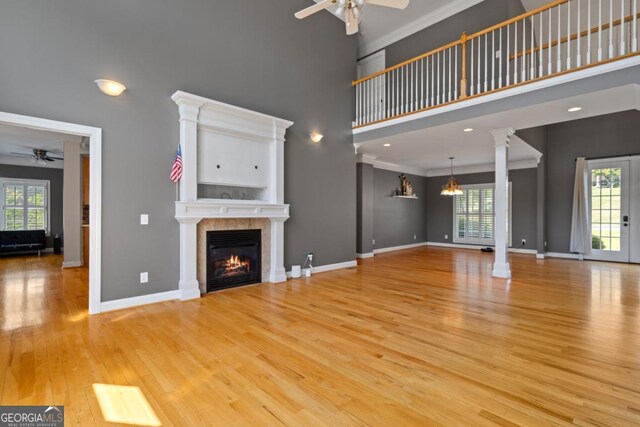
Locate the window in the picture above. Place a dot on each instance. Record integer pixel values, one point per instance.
(474, 215)
(25, 204)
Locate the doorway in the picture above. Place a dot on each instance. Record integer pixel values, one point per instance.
(94, 136)
(612, 208)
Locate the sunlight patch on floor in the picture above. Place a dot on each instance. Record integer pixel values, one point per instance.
(125, 405)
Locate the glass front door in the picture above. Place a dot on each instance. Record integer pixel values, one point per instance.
(609, 209)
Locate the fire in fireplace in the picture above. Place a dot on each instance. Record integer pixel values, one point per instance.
(233, 258)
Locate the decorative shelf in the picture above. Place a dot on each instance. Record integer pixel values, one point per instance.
(405, 197)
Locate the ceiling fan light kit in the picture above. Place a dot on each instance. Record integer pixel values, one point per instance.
(39, 156)
(350, 10)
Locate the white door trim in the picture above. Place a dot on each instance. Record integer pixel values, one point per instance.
(95, 190)
(625, 206)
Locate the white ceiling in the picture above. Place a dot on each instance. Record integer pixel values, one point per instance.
(381, 26)
(426, 151)
(15, 139)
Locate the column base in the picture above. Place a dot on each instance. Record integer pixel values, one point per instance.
(188, 289)
(502, 271)
(278, 276)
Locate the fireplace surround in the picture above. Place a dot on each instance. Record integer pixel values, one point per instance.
(226, 146)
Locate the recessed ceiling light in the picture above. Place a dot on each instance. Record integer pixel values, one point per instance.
(387, 145)
(574, 109)
(468, 130)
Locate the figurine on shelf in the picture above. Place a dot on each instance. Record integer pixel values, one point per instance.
(407, 188)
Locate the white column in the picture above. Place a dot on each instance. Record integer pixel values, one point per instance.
(276, 174)
(72, 205)
(501, 266)
(188, 286)
(277, 273)
(189, 141)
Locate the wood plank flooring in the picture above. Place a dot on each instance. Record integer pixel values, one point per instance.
(421, 337)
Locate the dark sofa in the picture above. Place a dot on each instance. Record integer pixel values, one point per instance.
(18, 241)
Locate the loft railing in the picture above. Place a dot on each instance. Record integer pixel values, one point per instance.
(560, 37)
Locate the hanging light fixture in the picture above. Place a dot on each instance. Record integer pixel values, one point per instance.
(452, 187)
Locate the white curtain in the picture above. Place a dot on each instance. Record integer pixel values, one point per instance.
(580, 222)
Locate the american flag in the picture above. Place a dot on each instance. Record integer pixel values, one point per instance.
(176, 169)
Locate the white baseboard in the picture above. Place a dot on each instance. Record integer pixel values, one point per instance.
(562, 255)
(72, 264)
(137, 301)
(338, 266)
(330, 267)
(477, 247)
(363, 256)
(523, 251)
(399, 248)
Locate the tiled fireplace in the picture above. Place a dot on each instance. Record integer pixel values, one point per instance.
(230, 151)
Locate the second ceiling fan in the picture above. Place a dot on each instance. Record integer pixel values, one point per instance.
(350, 10)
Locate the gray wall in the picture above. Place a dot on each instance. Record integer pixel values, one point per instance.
(54, 176)
(253, 54)
(471, 20)
(538, 139)
(365, 196)
(604, 136)
(523, 205)
(396, 221)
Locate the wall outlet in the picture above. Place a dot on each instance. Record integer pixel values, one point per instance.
(415, 237)
(144, 219)
(310, 256)
(374, 241)
(144, 277)
(446, 237)
(524, 242)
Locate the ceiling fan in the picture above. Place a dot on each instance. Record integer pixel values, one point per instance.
(350, 10)
(39, 156)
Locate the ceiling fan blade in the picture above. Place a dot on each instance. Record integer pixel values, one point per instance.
(55, 158)
(351, 22)
(313, 9)
(49, 159)
(396, 4)
(21, 154)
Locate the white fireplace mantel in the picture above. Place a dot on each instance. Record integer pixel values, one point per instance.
(219, 128)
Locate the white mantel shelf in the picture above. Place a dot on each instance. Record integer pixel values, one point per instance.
(220, 208)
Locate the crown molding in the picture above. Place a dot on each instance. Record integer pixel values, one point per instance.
(378, 164)
(367, 158)
(489, 167)
(440, 14)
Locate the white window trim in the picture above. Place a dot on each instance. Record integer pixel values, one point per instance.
(25, 182)
(482, 242)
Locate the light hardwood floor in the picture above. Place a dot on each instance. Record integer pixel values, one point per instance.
(420, 337)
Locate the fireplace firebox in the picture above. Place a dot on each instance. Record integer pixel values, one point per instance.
(233, 258)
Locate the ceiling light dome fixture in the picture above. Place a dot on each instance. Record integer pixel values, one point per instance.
(452, 187)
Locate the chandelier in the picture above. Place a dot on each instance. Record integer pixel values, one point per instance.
(452, 187)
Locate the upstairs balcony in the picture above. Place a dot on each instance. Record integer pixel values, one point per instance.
(563, 40)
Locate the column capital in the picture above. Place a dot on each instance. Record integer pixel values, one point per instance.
(189, 112)
(502, 136)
